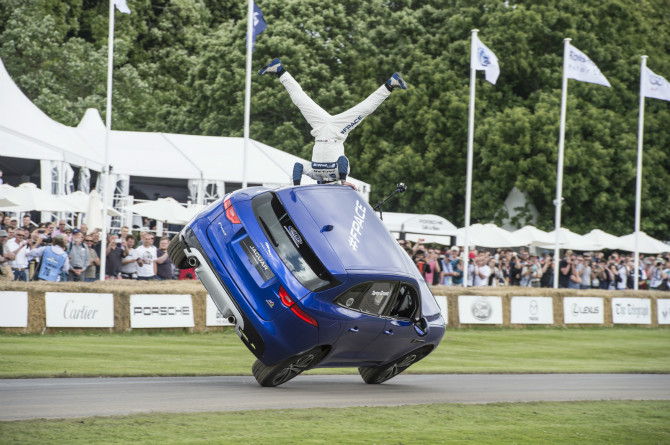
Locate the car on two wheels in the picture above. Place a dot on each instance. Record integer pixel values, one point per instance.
(310, 277)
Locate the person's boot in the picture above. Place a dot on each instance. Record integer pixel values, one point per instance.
(394, 82)
(273, 67)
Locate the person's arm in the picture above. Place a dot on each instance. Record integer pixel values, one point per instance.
(155, 267)
(163, 258)
(565, 270)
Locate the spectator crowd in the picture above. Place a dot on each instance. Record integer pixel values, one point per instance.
(501, 267)
(58, 252)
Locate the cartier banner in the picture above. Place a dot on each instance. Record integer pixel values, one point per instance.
(79, 310)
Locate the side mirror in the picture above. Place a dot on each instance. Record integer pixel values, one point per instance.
(421, 327)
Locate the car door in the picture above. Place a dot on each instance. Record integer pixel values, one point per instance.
(398, 335)
(362, 307)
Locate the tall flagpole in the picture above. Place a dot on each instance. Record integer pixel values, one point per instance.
(638, 182)
(108, 129)
(559, 174)
(468, 176)
(247, 94)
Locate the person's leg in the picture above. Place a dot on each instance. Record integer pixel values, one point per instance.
(349, 119)
(311, 111)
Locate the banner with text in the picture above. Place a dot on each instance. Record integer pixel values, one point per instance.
(532, 310)
(213, 315)
(663, 306)
(631, 311)
(583, 310)
(13, 309)
(444, 310)
(479, 310)
(161, 311)
(79, 310)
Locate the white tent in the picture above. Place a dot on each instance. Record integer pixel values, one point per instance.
(26, 132)
(602, 240)
(647, 244)
(486, 235)
(529, 235)
(163, 209)
(416, 227)
(569, 240)
(28, 198)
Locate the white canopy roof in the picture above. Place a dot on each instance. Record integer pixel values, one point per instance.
(486, 235)
(528, 235)
(647, 244)
(570, 240)
(26, 132)
(417, 227)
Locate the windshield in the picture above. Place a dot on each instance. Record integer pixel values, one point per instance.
(289, 243)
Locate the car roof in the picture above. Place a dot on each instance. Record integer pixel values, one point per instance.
(348, 225)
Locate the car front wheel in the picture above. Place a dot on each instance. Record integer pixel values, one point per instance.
(379, 374)
(284, 371)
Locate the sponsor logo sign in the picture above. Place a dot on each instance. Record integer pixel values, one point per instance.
(532, 310)
(631, 310)
(442, 302)
(663, 306)
(213, 316)
(584, 310)
(13, 309)
(79, 310)
(161, 311)
(479, 310)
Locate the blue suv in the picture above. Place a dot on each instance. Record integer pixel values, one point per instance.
(311, 277)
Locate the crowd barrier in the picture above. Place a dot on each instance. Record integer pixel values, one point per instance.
(129, 305)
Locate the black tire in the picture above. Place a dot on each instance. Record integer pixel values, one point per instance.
(284, 371)
(176, 253)
(375, 375)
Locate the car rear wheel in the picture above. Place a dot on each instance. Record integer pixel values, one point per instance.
(379, 374)
(284, 371)
(176, 253)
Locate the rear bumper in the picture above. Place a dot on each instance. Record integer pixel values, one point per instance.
(221, 294)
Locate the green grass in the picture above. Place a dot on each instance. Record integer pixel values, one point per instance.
(519, 423)
(499, 350)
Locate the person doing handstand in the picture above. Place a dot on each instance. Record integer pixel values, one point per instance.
(329, 164)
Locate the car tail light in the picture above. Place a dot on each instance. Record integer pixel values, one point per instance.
(231, 214)
(290, 303)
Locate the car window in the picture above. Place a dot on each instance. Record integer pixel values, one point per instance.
(289, 243)
(406, 303)
(371, 298)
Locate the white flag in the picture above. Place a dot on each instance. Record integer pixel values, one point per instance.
(580, 67)
(122, 6)
(483, 58)
(655, 86)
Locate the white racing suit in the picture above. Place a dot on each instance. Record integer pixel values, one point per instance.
(328, 161)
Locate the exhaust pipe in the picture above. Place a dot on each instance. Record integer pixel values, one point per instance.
(193, 261)
(232, 319)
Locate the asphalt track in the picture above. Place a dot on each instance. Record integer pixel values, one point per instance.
(83, 397)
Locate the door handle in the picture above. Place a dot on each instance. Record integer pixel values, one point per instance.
(353, 329)
(388, 332)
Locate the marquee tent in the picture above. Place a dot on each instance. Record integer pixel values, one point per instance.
(529, 235)
(647, 244)
(417, 227)
(27, 132)
(29, 197)
(602, 240)
(486, 235)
